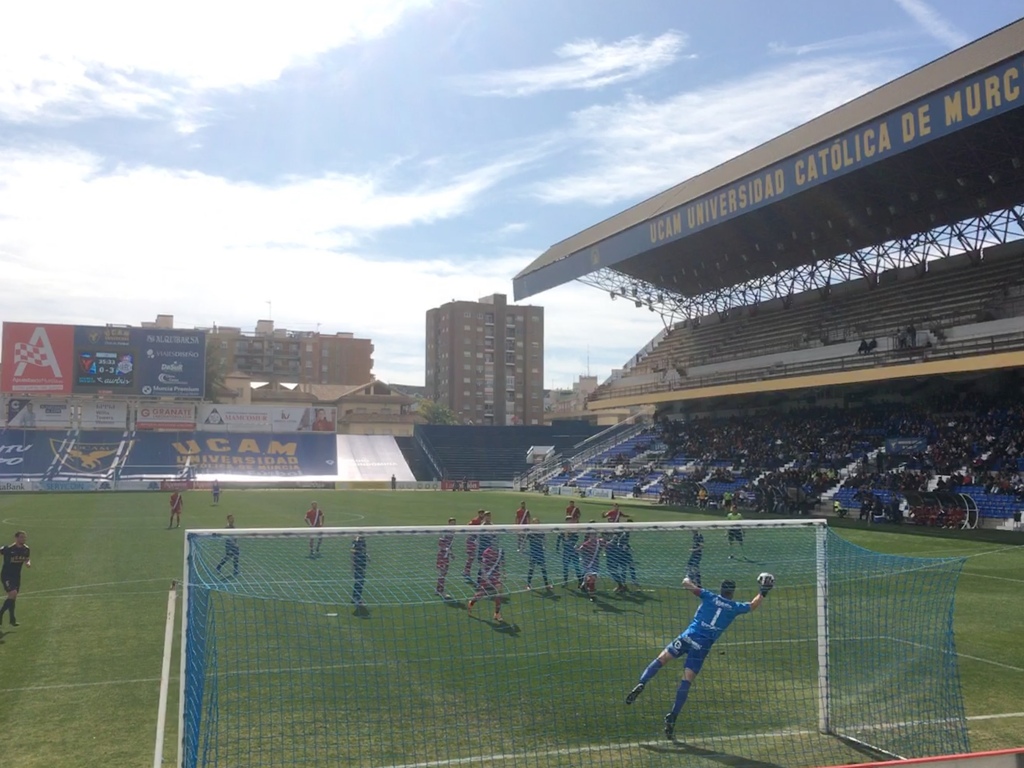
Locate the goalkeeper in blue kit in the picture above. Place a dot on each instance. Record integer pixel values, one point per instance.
(715, 614)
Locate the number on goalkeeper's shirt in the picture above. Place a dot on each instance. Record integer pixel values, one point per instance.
(715, 614)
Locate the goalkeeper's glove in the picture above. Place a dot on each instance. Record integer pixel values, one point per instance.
(766, 581)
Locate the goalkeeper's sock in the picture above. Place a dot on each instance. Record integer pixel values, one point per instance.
(4, 608)
(681, 693)
(651, 671)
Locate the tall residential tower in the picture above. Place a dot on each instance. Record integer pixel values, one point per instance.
(485, 360)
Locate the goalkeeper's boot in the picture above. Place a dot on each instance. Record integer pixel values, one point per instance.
(497, 618)
(670, 726)
(637, 690)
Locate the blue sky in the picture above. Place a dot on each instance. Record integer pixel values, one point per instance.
(356, 163)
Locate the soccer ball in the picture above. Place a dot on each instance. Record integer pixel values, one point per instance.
(766, 580)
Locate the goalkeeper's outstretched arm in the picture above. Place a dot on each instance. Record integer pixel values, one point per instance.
(690, 586)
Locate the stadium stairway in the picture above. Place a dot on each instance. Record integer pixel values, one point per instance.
(419, 465)
(829, 496)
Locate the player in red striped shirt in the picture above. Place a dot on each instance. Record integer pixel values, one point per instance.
(176, 504)
(522, 518)
(315, 519)
(444, 559)
(489, 582)
(471, 543)
(615, 515)
(572, 512)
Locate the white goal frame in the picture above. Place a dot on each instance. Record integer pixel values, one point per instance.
(819, 525)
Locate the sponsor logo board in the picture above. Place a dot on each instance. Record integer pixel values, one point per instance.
(59, 359)
(104, 414)
(37, 358)
(38, 413)
(266, 418)
(182, 417)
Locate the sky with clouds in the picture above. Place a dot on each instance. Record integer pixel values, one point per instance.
(356, 163)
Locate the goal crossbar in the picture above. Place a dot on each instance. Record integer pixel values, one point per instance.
(506, 528)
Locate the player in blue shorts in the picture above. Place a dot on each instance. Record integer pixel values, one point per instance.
(713, 617)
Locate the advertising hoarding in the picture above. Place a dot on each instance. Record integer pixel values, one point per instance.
(104, 414)
(171, 363)
(180, 417)
(58, 359)
(37, 413)
(249, 454)
(37, 358)
(266, 418)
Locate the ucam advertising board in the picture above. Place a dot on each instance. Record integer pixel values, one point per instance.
(195, 455)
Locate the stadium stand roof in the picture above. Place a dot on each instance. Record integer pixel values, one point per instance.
(934, 147)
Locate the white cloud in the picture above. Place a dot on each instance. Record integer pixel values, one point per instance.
(73, 59)
(932, 22)
(837, 43)
(513, 228)
(83, 244)
(583, 65)
(639, 147)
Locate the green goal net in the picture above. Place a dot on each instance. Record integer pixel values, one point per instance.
(358, 647)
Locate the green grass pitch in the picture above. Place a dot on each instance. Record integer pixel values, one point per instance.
(79, 677)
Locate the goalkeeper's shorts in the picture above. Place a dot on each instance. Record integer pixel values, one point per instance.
(696, 651)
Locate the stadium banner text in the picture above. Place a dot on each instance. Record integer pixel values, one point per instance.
(459, 485)
(103, 414)
(563, 490)
(59, 359)
(905, 446)
(179, 417)
(266, 418)
(38, 413)
(249, 454)
(992, 92)
(419, 485)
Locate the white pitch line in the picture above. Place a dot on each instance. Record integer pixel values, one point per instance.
(997, 578)
(1003, 716)
(105, 595)
(987, 661)
(962, 655)
(95, 683)
(166, 579)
